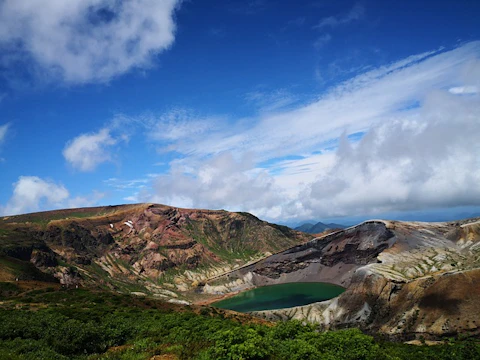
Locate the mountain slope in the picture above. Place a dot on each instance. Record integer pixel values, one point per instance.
(140, 248)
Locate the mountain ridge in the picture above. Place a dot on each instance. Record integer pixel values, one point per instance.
(142, 247)
(318, 227)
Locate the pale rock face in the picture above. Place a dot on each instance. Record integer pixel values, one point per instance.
(181, 302)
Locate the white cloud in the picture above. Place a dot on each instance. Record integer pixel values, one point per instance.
(356, 104)
(84, 201)
(322, 40)
(356, 13)
(464, 90)
(420, 149)
(269, 101)
(32, 193)
(3, 132)
(132, 198)
(427, 159)
(174, 128)
(177, 124)
(121, 185)
(3, 135)
(221, 182)
(87, 40)
(87, 151)
(133, 186)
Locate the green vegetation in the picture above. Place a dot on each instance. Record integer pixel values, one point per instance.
(23, 270)
(8, 289)
(238, 245)
(81, 324)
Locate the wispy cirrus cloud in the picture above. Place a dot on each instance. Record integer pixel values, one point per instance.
(267, 101)
(296, 22)
(3, 132)
(3, 135)
(249, 7)
(177, 124)
(322, 40)
(81, 41)
(121, 184)
(355, 14)
(411, 131)
(408, 143)
(331, 22)
(464, 90)
(355, 104)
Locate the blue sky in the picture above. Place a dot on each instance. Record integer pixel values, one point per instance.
(289, 110)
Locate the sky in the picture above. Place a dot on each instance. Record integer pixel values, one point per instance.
(291, 110)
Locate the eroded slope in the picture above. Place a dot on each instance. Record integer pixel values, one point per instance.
(147, 248)
(402, 278)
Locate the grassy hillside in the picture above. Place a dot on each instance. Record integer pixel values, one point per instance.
(82, 324)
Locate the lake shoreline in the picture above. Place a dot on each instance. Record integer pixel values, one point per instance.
(279, 296)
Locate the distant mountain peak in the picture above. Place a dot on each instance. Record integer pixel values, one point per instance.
(318, 227)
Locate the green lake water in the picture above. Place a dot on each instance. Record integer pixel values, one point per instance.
(280, 296)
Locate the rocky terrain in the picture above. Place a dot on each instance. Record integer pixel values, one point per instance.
(146, 249)
(402, 279)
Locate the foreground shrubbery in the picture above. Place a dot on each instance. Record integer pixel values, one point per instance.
(84, 325)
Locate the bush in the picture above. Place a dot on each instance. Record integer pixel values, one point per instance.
(239, 344)
(349, 344)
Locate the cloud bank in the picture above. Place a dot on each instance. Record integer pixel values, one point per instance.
(222, 182)
(427, 159)
(402, 137)
(409, 142)
(84, 41)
